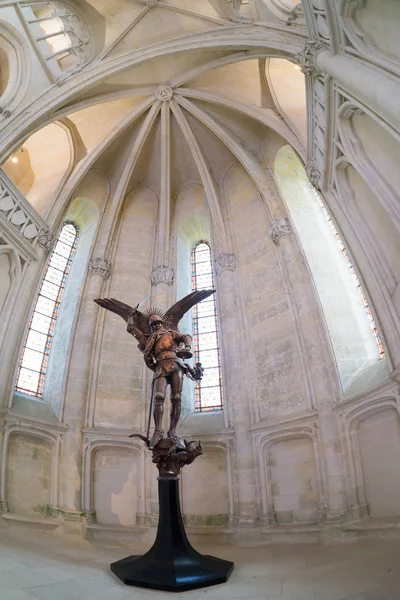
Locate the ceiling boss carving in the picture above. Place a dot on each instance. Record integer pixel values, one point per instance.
(164, 93)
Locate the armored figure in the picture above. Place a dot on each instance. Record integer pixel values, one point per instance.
(163, 347)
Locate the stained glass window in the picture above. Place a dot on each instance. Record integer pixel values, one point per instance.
(208, 392)
(37, 343)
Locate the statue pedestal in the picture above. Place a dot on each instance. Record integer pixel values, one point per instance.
(172, 564)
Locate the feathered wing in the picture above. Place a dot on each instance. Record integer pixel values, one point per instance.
(176, 312)
(125, 311)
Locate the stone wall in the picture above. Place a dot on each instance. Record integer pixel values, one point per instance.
(290, 452)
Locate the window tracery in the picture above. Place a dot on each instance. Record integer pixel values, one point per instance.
(37, 343)
(208, 392)
(63, 30)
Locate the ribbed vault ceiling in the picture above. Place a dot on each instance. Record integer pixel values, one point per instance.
(184, 116)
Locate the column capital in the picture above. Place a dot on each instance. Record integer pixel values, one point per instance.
(162, 274)
(306, 58)
(100, 266)
(224, 262)
(313, 173)
(46, 239)
(280, 227)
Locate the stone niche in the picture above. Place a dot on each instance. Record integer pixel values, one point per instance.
(205, 490)
(379, 445)
(28, 476)
(115, 486)
(294, 481)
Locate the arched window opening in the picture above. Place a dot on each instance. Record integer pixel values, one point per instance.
(208, 392)
(355, 341)
(63, 30)
(37, 343)
(354, 274)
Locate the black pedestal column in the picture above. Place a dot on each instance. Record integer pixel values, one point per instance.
(172, 564)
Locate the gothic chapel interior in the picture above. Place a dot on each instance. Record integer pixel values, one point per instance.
(170, 145)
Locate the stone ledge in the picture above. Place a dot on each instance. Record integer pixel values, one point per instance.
(118, 532)
(214, 535)
(375, 529)
(18, 520)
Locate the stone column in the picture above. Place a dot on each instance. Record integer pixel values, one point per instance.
(321, 381)
(162, 276)
(239, 389)
(77, 395)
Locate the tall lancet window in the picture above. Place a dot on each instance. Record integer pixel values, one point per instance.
(208, 392)
(37, 343)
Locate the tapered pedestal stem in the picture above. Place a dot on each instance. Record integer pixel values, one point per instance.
(172, 564)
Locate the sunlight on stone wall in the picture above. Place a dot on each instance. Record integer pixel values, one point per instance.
(115, 486)
(349, 328)
(84, 211)
(271, 335)
(40, 168)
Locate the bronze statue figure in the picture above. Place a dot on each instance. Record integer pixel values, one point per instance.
(163, 347)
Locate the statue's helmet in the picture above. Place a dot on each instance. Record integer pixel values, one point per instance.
(155, 319)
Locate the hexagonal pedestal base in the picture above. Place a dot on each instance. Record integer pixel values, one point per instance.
(172, 564)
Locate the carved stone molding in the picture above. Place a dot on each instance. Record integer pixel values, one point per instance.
(164, 93)
(314, 174)
(3, 506)
(306, 58)
(46, 239)
(100, 266)
(280, 227)
(224, 262)
(162, 274)
(294, 14)
(5, 113)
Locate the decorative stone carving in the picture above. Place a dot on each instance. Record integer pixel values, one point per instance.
(5, 113)
(46, 239)
(152, 3)
(162, 274)
(306, 58)
(100, 266)
(224, 262)
(314, 174)
(294, 14)
(3, 506)
(280, 226)
(169, 461)
(164, 93)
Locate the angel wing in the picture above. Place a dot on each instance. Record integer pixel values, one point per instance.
(176, 312)
(135, 316)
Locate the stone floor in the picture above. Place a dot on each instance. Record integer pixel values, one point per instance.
(48, 567)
